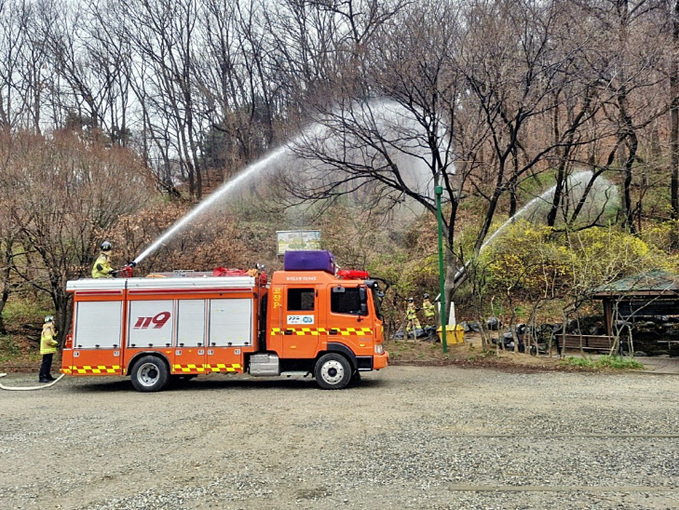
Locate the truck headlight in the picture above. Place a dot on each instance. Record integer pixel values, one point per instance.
(379, 349)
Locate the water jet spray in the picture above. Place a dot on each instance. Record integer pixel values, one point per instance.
(395, 123)
(227, 187)
(578, 181)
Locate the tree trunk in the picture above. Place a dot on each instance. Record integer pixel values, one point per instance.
(674, 114)
(6, 270)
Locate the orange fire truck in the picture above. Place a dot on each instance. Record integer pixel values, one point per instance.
(310, 319)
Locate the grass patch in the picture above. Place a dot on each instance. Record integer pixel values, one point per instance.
(482, 355)
(417, 351)
(16, 351)
(20, 347)
(602, 363)
(428, 353)
(9, 348)
(19, 311)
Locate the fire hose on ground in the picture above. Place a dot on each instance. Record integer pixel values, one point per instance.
(30, 388)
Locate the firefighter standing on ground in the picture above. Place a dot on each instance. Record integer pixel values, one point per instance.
(429, 317)
(429, 311)
(102, 266)
(48, 346)
(412, 322)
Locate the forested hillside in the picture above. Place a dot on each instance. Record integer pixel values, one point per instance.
(118, 117)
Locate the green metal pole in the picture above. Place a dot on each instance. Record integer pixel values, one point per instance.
(442, 280)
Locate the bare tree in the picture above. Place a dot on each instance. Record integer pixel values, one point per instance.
(673, 10)
(466, 91)
(626, 69)
(24, 67)
(109, 54)
(237, 84)
(163, 34)
(64, 195)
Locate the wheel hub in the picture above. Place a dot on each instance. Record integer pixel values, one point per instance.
(148, 374)
(332, 372)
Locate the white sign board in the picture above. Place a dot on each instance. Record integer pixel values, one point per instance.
(290, 240)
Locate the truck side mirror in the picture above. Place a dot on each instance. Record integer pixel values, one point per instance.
(363, 296)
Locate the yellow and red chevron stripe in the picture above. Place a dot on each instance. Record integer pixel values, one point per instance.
(222, 367)
(191, 367)
(319, 331)
(300, 331)
(204, 368)
(91, 369)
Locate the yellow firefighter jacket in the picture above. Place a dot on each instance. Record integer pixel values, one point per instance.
(102, 266)
(411, 312)
(428, 309)
(48, 345)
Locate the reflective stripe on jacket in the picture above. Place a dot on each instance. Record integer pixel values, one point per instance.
(48, 345)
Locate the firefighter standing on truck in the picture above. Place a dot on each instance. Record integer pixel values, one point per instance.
(48, 346)
(412, 322)
(102, 266)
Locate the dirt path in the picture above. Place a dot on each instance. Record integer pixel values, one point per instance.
(408, 437)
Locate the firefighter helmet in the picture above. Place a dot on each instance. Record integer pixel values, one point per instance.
(49, 318)
(410, 300)
(426, 296)
(105, 246)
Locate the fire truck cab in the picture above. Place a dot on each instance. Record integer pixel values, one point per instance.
(309, 320)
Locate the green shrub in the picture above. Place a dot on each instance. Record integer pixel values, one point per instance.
(603, 362)
(619, 363)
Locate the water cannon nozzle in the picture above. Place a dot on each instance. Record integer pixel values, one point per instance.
(126, 271)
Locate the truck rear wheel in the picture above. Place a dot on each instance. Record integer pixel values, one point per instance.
(149, 374)
(332, 371)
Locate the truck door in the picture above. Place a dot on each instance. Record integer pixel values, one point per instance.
(294, 321)
(349, 322)
(301, 329)
(189, 350)
(230, 331)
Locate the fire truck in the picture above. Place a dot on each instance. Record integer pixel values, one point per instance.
(310, 319)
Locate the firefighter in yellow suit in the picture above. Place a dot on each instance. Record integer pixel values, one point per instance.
(429, 312)
(48, 346)
(102, 266)
(412, 322)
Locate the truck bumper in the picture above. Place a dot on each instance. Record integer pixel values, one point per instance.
(380, 360)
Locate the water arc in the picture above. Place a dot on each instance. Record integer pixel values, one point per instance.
(576, 184)
(392, 120)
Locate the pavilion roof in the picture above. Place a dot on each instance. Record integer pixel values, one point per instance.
(650, 283)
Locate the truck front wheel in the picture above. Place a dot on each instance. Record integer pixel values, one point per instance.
(149, 374)
(332, 371)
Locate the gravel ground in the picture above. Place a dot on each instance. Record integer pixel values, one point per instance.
(408, 437)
